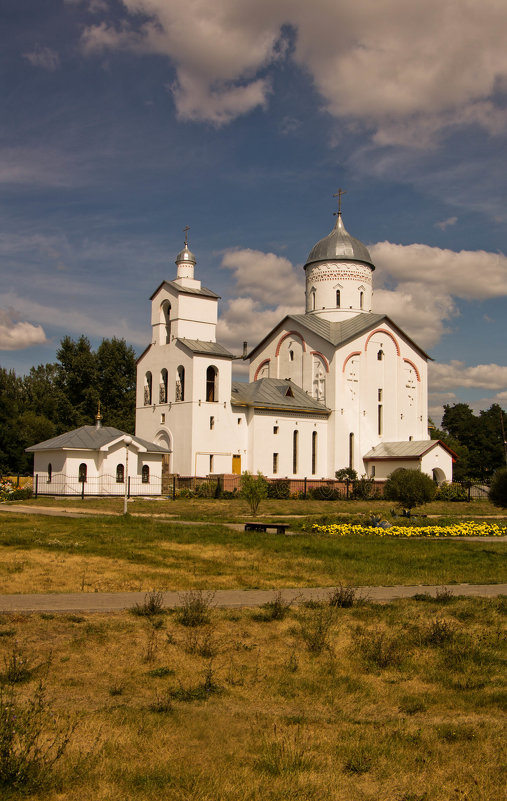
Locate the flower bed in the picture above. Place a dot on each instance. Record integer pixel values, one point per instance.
(467, 528)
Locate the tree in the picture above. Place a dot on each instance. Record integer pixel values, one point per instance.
(116, 383)
(481, 435)
(498, 489)
(409, 487)
(253, 489)
(77, 378)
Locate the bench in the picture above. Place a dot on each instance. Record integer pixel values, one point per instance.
(279, 527)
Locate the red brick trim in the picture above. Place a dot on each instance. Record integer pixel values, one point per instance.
(411, 363)
(354, 353)
(290, 334)
(261, 365)
(318, 353)
(388, 333)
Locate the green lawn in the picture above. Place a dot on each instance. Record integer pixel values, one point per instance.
(55, 554)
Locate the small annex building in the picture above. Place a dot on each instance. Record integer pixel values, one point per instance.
(338, 386)
(97, 460)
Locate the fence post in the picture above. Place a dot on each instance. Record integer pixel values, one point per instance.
(128, 491)
(36, 483)
(174, 488)
(17, 482)
(82, 490)
(304, 491)
(347, 482)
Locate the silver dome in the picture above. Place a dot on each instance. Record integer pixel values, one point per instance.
(186, 256)
(339, 244)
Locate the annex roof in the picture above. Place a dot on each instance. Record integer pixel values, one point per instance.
(92, 438)
(206, 348)
(185, 290)
(275, 393)
(413, 449)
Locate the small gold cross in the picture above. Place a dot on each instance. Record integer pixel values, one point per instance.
(186, 230)
(339, 196)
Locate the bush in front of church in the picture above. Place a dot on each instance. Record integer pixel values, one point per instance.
(498, 489)
(409, 488)
(253, 489)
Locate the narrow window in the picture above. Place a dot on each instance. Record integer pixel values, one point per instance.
(291, 355)
(147, 389)
(295, 451)
(165, 319)
(162, 418)
(82, 473)
(211, 463)
(211, 384)
(50, 472)
(351, 450)
(211, 423)
(379, 419)
(361, 299)
(275, 429)
(313, 301)
(180, 383)
(275, 463)
(373, 471)
(120, 474)
(380, 396)
(239, 421)
(338, 298)
(145, 474)
(380, 355)
(162, 395)
(314, 452)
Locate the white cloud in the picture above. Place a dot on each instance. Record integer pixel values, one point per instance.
(457, 374)
(404, 70)
(44, 57)
(443, 224)
(265, 276)
(16, 335)
(468, 274)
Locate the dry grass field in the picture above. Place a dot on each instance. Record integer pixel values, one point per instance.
(401, 702)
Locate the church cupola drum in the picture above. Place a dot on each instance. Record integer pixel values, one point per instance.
(338, 276)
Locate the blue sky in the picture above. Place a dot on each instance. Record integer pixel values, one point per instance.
(125, 120)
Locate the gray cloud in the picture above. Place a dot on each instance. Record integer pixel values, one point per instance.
(44, 57)
(15, 334)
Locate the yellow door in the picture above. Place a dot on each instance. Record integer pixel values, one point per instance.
(236, 465)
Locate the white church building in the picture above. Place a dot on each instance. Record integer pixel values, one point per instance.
(338, 386)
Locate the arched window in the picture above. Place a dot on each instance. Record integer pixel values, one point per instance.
(83, 470)
(211, 384)
(295, 451)
(163, 387)
(165, 322)
(147, 389)
(312, 300)
(361, 299)
(180, 383)
(314, 452)
(120, 474)
(291, 355)
(50, 472)
(338, 296)
(380, 355)
(145, 474)
(351, 450)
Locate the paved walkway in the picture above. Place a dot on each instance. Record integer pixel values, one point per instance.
(116, 601)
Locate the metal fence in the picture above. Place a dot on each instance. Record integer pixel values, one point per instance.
(103, 485)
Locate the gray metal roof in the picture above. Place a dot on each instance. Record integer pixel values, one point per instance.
(91, 438)
(185, 290)
(206, 348)
(401, 450)
(271, 393)
(339, 244)
(185, 255)
(338, 332)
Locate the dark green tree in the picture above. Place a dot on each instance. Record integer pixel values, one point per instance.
(409, 488)
(116, 383)
(498, 489)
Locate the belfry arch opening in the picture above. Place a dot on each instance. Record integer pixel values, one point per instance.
(165, 322)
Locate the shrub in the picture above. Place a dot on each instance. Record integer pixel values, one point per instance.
(279, 488)
(325, 493)
(153, 605)
(343, 597)
(409, 487)
(30, 740)
(195, 608)
(451, 492)
(498, 489)
(378, 649)
(363, 488)
(253, 489)
(277, 609)
(317, 627)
